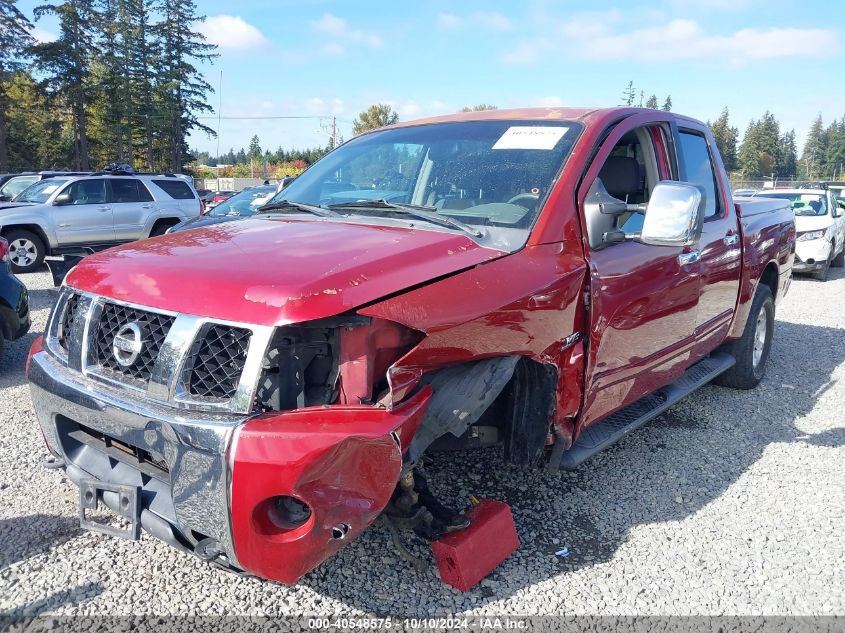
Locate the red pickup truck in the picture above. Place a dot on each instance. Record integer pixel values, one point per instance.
(258, 392)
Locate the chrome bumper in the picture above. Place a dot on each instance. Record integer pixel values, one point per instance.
(186, 496)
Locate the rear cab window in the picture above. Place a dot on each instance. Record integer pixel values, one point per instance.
(696, 165)
(176, 188)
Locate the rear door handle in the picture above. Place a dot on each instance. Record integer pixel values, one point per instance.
(104, 209)
(146, 206)
(731, 239)
(688, 258)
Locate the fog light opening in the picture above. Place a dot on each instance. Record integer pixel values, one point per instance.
(288, 513)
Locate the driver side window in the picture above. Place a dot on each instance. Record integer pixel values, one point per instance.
(87, 192)
(615, 204)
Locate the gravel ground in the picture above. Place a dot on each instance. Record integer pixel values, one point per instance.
(730, 503)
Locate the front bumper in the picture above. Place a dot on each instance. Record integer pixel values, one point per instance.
(812, 255)
(213, 476)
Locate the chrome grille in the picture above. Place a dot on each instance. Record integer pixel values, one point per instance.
(68, 318)
(217, 361)
(154, 328)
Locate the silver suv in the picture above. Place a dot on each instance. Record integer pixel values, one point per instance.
(66, 214)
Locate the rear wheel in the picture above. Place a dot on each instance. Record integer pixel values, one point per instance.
(26, 250)
(752, 350)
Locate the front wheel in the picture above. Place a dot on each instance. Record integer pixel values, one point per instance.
(26, 251)
(839, 260)
(751, 351)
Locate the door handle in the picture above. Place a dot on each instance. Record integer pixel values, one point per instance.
(146, 206)
(63, 226)
(731, 239)
(103, 209)
(688, 258)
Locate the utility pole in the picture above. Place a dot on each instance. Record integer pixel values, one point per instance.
(331, 130)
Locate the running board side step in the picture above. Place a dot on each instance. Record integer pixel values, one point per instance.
(617, 425)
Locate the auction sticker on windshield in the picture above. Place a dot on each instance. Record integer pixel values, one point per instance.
(530, 137)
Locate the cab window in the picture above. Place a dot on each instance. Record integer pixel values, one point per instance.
(697, 169)
(625, 182)
(87, 191)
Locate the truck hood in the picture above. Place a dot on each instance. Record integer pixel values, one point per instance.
(804, 223)
(15, 205)
(273, 272)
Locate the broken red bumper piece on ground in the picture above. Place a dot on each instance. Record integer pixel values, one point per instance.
(467, 556)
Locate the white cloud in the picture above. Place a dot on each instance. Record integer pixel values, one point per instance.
(339, 29)
(231, 32)
(597, 37)
(321, 107)
(488, 20)
(42, 36)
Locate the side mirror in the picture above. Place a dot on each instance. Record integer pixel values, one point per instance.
(841, 204)
(62, 199)
(673, 215)
(4, 197)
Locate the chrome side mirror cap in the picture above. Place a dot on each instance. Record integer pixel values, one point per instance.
(674, 214)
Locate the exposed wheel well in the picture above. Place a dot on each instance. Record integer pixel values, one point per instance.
(162, 224)
(770, 278)
(33, 228)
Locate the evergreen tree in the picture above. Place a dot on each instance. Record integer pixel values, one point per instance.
(629, 94)
(651, 102)
(726, 137)
(788, 156)
(814, 150)
(667, 105)
(834, 155)
(66, 64)
(254, 149)
(748, 156)
(15, 40)
(181, 89)
(375, 116)
(479, 108)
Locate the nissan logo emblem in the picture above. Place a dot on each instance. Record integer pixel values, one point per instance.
(127, 344)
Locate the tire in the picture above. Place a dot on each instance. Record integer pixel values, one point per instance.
(750, 351)
(839, 260)
(26, 250)
(821, 274)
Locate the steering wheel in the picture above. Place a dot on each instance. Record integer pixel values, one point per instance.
(524, 196)
(390, 178)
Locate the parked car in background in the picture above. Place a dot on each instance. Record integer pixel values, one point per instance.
(820, 225)
(17, 183)
(69, 213)
(14, 301)
(241, 205)
(303, 361)
(217, 197)
(742, 193)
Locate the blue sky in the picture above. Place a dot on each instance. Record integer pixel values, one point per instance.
(324, 58)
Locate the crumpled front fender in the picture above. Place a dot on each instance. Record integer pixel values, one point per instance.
(343, 461)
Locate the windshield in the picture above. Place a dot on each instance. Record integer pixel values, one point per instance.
(15, 185)
(802, 203)
(40, 191)
(243, 203)
(493, 175)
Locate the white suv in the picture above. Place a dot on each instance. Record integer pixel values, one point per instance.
(65, 214)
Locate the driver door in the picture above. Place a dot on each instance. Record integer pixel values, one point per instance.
(87, 218)
(643, 297)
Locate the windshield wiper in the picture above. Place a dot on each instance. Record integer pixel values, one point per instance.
(289, 205)
(429, 214)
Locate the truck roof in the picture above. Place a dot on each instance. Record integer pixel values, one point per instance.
(584, 115)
